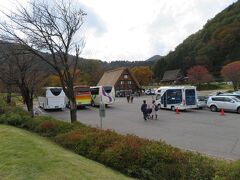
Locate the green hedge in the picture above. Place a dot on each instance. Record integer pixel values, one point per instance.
(134, 156)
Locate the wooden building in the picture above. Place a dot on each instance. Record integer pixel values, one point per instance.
(123, 81)
(173, 77)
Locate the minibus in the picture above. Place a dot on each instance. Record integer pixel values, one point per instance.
(172, 97)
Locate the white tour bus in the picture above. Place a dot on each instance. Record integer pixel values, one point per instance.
(171, 97)
(52, 98)
(107, 93)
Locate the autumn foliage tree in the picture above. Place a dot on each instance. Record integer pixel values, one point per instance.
(231, 72)
(199, 74)
(143, 74)
(51, 31)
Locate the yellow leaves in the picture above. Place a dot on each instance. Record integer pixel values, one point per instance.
(143, 74)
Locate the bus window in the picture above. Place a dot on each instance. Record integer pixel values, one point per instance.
(190, 97)
(94, 91)
(56, 91)
(158, 96)
(107, 89)
(174, 96)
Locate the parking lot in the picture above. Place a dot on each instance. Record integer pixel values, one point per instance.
(198, 130)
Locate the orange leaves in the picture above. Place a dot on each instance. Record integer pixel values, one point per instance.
(199, 74)
(231, 72)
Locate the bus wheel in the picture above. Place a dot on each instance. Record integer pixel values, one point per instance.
(173, 108)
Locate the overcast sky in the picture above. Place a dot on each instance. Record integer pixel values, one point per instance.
(138, 29)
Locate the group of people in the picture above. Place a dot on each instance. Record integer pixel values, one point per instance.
(130, 98)
(149, 111)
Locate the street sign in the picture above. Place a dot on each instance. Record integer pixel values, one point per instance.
(102, 110)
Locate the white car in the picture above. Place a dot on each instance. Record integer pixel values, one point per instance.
(150, 92)
(228, 103)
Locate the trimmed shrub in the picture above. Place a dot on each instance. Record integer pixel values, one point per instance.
(49, 127)
(15, 116)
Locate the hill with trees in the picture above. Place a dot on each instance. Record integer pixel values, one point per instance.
(214, 46)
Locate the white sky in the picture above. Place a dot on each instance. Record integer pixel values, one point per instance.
(138, 29)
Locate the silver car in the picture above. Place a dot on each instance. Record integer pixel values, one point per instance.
(228, 103)
(202, 102)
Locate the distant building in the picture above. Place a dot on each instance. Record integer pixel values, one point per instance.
(123, 81)
(173, 77)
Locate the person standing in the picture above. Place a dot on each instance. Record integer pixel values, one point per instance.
(144, 109)
(132, 96)
(128, 98)
(154, 109)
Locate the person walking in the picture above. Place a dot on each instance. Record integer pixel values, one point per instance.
(154, 109)
(132, 98)
(144, 109)
(128, 98)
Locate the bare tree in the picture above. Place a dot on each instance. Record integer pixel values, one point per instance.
(51, 27)
(23, 71)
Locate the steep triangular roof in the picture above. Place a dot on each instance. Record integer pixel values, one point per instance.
(111, 77)
(171, 75)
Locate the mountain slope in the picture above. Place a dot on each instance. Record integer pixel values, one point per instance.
(217, 44)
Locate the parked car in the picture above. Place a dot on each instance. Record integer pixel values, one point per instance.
(236, 92)
(150, 92)
(230, 94)
(228, 103)
(202, 102)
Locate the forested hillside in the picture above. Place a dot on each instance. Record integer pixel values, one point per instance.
(217, 44)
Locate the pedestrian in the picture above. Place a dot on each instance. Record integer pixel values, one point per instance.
(128, 98)
(144, 110)
(154, 109)
(132, 98)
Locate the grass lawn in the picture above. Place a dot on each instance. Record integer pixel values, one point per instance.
(24, 155)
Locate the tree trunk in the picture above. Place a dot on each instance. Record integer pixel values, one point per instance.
(73, 110)
(235, 86)
(9, 94)
(9, 97)
(29, 103)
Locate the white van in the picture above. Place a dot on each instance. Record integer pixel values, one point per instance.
(52, 98)
(104, 93)
(171, 97)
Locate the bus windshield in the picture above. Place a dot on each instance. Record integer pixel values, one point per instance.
(82, 89)
(107, 89)
(56, 91)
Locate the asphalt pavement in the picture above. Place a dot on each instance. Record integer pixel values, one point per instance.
(197, 130)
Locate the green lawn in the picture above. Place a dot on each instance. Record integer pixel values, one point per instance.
(24, 155)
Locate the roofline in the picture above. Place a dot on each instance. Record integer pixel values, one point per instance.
(176, 87)
(117, 69)
(50, 87)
